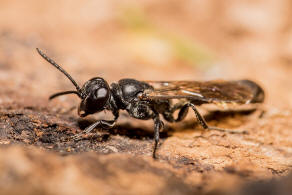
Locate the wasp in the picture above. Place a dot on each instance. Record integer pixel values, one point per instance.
(155, 99)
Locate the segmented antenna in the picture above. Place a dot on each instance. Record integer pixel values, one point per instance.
(62, 70)
(63, 93)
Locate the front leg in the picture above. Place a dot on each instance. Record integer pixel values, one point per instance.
(101, 123)
(106, 124)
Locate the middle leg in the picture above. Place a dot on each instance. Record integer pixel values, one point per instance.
(158, 124)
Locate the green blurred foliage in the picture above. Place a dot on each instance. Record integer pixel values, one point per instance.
(183, 48)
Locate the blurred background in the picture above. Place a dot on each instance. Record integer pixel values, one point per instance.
(147, 40)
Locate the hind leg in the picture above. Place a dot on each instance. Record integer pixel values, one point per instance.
(183, 110)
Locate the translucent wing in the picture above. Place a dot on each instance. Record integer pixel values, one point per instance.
(217, 91)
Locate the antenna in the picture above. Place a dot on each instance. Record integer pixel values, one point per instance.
(62, 70)
(63, 93)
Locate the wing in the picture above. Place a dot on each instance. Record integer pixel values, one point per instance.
(217, 91)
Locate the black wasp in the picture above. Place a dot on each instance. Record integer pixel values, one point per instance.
(150, 99)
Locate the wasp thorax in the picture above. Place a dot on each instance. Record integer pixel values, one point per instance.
(96, 94)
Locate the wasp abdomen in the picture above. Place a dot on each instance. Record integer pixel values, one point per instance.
(258, 92)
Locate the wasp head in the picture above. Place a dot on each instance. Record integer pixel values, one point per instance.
(95, 95)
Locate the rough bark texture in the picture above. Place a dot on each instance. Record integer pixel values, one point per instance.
(37, 155)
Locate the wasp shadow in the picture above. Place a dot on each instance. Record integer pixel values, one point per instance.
(221, 115)
(144, 132)
(125, 129)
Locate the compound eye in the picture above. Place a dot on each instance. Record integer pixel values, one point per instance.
(102, 93)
